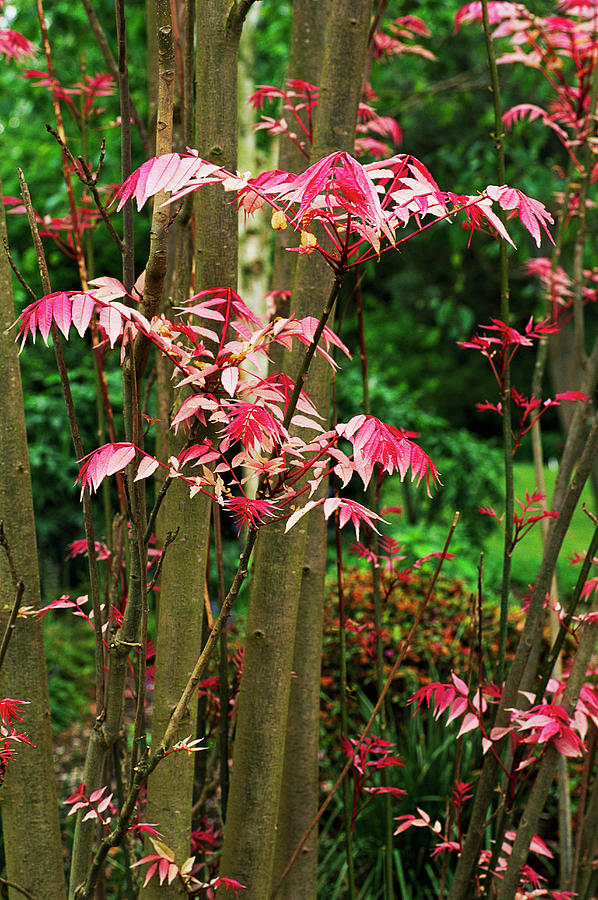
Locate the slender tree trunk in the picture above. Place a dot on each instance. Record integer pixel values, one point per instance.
(335, 122)
(300, 780)
(31, 831)
(170, 790)
(248, 852)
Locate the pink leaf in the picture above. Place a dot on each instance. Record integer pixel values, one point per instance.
(112, 322)
(460, 685)
(230, 379)
(82, 311)
(147, 467)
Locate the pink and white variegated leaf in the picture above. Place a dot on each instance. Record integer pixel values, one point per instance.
(147, 467)
(81, 311)
(497, 11)
(107, 288)
(105, 461)
(112, 322)
(230, 379)
(533, 214)
(171, 172)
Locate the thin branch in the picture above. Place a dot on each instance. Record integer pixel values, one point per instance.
(125, 143)
(11, 561)
(17, 887)
(89, 179)
(17, 272)
(170, 538)
(113, 67)
(54, 91)
(157, 504)
(10, 627)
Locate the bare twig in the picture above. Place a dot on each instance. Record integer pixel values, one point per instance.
(89, 179)
(17, 887)
(170, 538)
(125, 143)
(11, 561)
(17, 272)
(54, 91)
(19, 591)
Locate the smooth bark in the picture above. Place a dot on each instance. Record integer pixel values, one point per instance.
(248, 852)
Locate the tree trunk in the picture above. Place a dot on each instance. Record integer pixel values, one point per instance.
(31, 831)
(170, 789)
(248, 852)
(299, 793)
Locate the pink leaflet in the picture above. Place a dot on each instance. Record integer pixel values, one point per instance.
(147, 467)
(343, 180)
(250, 513)
(253, 426)
(10, 709)
(532, 112)
(112, 322)
(104, 461)
(472, 12)
(230, 378)
(375, 443)
(82, 311)
(170, 172)
(64, 307)
(12, 43)
(532, 213)
(79, 548)
(108, 288)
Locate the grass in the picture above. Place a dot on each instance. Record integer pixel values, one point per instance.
(476, 532)
(528, 554)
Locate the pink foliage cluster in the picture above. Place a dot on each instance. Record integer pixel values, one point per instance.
(247, 412)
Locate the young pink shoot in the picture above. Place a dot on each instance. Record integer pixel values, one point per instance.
(368, 757)
(10, 710)
(524, 521)
(96, 804)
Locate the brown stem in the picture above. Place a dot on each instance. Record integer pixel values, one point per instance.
(16, 887)
(10, 625)
(9, 556)
(89, 179)
(13, 266)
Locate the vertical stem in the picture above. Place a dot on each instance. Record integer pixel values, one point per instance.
(125, 144)
(373, 492)
(61, 133)
(223, 685)
(347, 794)
(505, 315)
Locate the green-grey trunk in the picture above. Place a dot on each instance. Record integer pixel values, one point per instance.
(248, 852)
